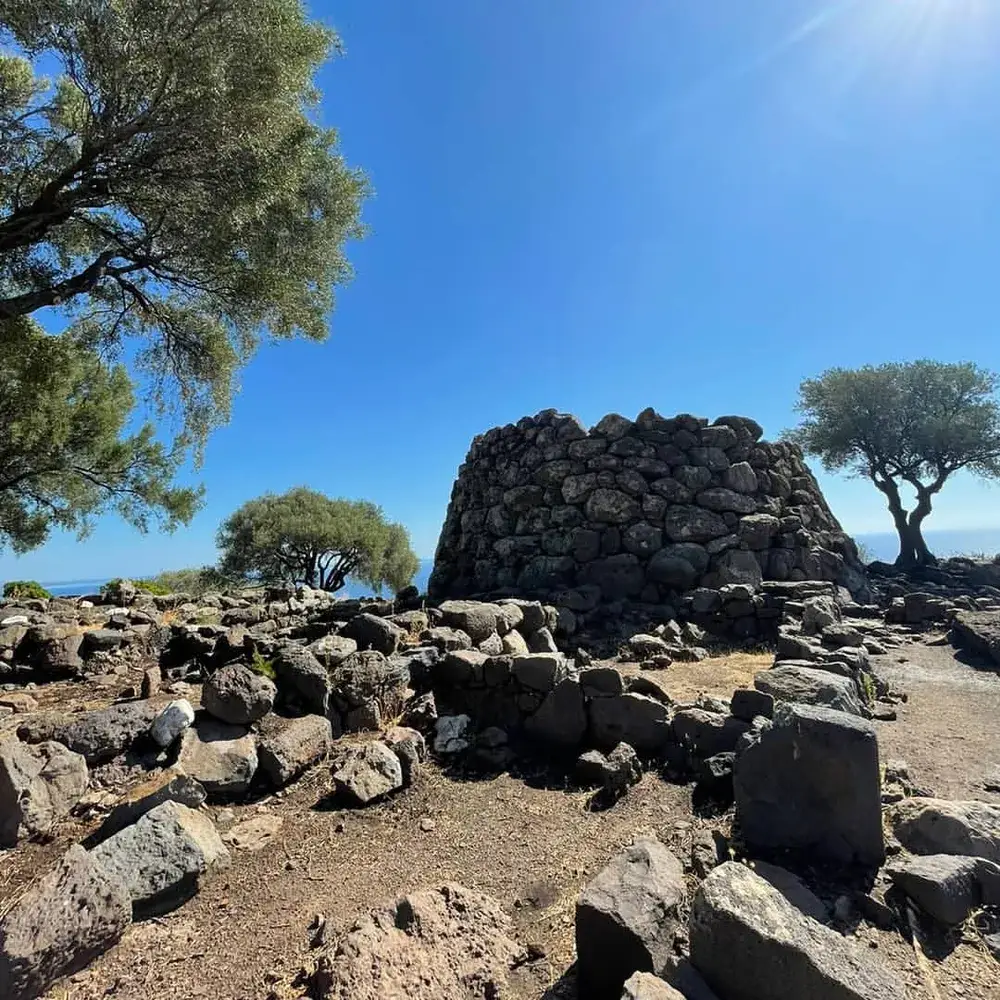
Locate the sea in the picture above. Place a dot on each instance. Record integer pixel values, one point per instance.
(881, 545)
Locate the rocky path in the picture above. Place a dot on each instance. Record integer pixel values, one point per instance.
(948, 730)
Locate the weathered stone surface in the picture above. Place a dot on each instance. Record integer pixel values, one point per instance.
(645, 986)
(289, 746)
(747, 705)
(302, 675)
(237, 695)
(562, 718)
(539, 671)
(61, 924)
(751, 943)
(221, 757)
(39, 785)
(938, 826)
(371, 632)
(331, 649)
(978, 631)
(626, 918)
(706, 734)
(368, 772)
(448, 943)
(411, 749)
(948, 887)
(369, 682)
(810, 687)
(477, 619)
(545, 516)
(161, 858)
(167, 786)
(810, 782)
(172, 720)
(107, 732)
(640, 721)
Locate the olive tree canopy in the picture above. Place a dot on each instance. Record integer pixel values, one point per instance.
(904, 425)
(170, 184)
(305, 537)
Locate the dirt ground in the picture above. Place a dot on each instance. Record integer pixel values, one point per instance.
(527, 838)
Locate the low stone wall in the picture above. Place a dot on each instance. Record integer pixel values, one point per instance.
(639, 511)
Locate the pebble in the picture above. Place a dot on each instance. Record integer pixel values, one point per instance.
(427, 825)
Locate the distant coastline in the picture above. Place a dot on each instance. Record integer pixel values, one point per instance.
(878, 545)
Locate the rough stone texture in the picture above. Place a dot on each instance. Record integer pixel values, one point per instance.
(751, 943)
(938, 826)
(161, 858)
(222, 757)
(810, 687)
(627, 917)
(38, 786)
(810, 782)
(301, 675)
(545, 506)
(946, 886)
(289, 746)
(636, 719)
(235, 694)
(978, 631)
(366, 687)
(368, 772)
(175, 717)
(645, 986)
(62, 923)
(107, 732)
(371, 632)
(435, 944)
(562, 718)
(167, 786)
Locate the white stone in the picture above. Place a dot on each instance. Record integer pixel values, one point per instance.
(171, 722)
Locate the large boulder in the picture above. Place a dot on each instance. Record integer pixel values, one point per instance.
(105, 733)
(167, 786)
(368, 772)
(751, 943)
(562, 718)
(476, 619)
(947, 886)
(636, 719)
(162, 857)
(939, 826)
(38, 786)
(222, 757)
(809, 686)
(366, 688)
(448, 943)
(172, 720)
(237, 695)
(301, 675)
(627, 917)
(289, 746)
(372, 632)
(810, 782)
(60, 925)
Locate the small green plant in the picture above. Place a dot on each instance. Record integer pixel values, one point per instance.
(25, 589)
(152, 587)
(259, 664)
(868, 688)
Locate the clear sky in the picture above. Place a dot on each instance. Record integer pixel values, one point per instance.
(600, 206)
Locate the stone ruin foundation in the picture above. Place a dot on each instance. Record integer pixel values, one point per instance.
(666, 513)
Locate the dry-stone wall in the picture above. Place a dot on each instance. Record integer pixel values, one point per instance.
(637, 511)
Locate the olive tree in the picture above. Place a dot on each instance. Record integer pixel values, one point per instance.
(305, 537)
(170, 186)
(905, 426)
(65, 454)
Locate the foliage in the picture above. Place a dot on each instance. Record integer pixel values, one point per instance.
(25, 589)
(905, 424)
(262, 666)
(194, 581)
(151, 586)
(65, 455)
(171, 185)
(305, 537)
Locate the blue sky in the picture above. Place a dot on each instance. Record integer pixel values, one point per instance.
(599, 206)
